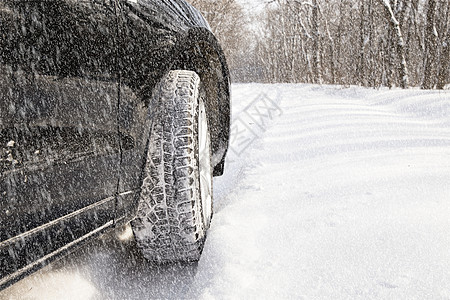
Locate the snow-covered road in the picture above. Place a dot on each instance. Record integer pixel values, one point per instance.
(329, 193)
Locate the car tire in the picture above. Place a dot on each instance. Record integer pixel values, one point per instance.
(175, 206)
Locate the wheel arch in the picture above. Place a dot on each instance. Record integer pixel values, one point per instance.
(199, 51)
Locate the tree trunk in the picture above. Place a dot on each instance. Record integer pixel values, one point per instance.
(316, 46)
(443, 77)
(400, 45)
(362, 45)
(430, 47)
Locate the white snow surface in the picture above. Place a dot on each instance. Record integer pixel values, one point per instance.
(345, 196)
(331, 193)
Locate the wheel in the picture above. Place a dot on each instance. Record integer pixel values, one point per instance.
(175, 206)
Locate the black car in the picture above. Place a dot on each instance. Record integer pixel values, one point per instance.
(111, 111)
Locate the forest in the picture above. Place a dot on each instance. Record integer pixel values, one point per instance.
(371, 43)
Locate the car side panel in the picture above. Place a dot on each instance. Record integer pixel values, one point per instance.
(59, 139)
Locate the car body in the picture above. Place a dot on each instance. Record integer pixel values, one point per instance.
(76, 83)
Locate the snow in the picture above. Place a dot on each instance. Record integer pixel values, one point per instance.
(328, 193)
(253, 6)
(345, 196)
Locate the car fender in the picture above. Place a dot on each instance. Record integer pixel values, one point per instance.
(199, 51)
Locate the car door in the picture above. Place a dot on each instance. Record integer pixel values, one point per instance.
(59, 138)
(146, 47)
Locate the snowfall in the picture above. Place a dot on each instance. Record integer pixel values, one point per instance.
(329, 192)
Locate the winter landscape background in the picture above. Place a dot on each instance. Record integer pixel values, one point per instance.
(370, 43)
(337, 182)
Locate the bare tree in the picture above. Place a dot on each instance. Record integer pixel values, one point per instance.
(444, 64)
(362, 42)
(363, 39)
(399, 43)
(431, 38)
(317, 43)
(229, 23)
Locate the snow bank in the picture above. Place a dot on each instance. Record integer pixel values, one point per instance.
(346, 195)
